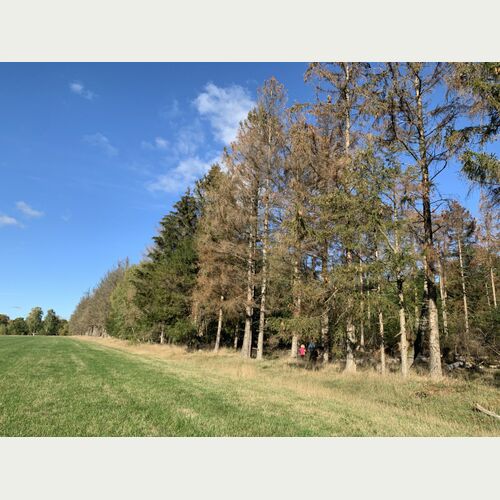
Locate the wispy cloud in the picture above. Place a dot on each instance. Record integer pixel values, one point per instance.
(225, 108)
(66, 217)
(188, 139)
(23, 207)
(102, 142)
(159, 143)
(78, 88)
(182, 176)
(171, 111)
(6, 220)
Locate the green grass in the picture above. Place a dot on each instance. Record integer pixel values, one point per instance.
(71, 387)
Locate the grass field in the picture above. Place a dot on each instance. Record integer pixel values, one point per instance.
(53, 386)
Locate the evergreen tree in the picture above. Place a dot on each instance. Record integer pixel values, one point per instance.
(164, 282)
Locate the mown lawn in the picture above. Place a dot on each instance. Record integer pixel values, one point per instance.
(84, 387)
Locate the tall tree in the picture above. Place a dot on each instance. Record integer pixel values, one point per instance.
(34, 321)
(417, 119)
(345, 85)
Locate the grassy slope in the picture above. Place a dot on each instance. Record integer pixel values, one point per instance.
(72, 387)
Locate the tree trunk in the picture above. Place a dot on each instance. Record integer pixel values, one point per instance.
(362, 307)
(325, 313)
(350, 365)
(464, 294)
(236, 337)
(444, 297)
(162, 334)
(246, 348)
(297, 303)
(263, 294)
(219, 326)
(369, 315)
(433, 321)
(382, 341)
(294, 349)
(380, 325)
(247, 336)
(402, 330)
(493, 290)
(416, 311)
(487, 290)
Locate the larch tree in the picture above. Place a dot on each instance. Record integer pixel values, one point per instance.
(219, 286)
(345, 85)
(417, 119)
(255, 161)
(270, 128)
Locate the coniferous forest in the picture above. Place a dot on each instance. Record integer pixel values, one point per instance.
(323, 223)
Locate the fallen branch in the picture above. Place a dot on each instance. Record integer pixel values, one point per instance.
(478, 407)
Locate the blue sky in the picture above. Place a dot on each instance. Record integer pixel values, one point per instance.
(93, 155)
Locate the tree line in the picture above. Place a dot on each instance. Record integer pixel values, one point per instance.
(34, 324)
(323, 222)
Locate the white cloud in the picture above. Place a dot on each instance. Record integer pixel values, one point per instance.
(27, 210)
(159, 143)
(6, 220)
(183, 175)
(79, 89)
(225, 108)
(102, 142)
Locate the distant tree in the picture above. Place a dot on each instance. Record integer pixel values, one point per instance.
(4, 321)
(92, 312)
(125, 318)
(51, 323)
(34, 321)
(63, 328)
(17, 326)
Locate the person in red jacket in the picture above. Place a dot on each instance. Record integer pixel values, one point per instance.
(302, 352)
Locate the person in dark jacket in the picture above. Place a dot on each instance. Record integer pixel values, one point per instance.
(311, 354)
